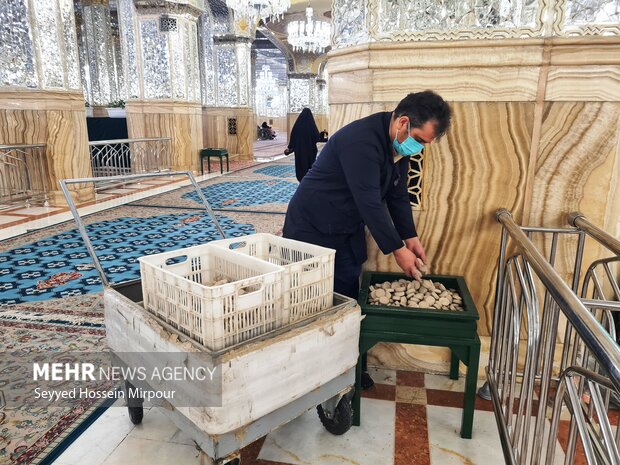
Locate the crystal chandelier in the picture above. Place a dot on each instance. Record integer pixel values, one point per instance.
(260, 9)
(265, 82)
(268, 98)
(309, 36)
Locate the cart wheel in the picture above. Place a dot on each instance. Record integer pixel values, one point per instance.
(341, 420)
(205, 459)
(136, 414)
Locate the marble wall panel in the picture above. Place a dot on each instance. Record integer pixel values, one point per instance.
(279, 123)
(500, 84)
(584, 52)
(536, 129)
(577, 169)
(58, 120)
(442, 54)
(355, 86)
(245, 135)
(467, 180)
(180, 121)
(342, 114)
(215, 130)
(322, 122)
(427, 359)
(291, 118)
(584, 83)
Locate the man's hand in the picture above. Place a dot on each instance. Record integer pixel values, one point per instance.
(408, 261)
(416, 247)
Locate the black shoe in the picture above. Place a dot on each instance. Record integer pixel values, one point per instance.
(367, 381)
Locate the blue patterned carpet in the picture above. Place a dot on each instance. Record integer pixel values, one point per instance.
(277, 171)
(246, 193)
(59, 266)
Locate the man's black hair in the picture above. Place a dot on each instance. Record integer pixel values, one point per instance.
(421, 107)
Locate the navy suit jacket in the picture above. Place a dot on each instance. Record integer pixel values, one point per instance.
(354, 183)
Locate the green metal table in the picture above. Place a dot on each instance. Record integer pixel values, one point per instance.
(216, 153)
(456, 330)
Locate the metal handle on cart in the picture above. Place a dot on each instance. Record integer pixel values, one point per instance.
(89, 246)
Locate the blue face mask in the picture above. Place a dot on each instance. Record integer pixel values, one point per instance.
(408, 147)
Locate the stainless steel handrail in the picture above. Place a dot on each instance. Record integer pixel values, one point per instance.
(21, 146)
(603, 347)
(580, 221)
(124, 141)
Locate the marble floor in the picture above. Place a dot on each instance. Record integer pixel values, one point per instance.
(408, 418)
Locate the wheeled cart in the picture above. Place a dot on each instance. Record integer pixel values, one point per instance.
(265, 382)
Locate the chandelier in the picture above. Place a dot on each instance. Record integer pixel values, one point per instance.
(260, 9)
(265, 82)
(269, 102)
(309, 36)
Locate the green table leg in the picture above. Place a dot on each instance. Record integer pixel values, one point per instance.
(473, 355)
(209, 163)
(227, 167)
(221, 166)
(454, 366)
(364, 361)
(357, 393)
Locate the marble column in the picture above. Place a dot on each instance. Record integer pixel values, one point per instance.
(99, 64)
(41, 99)
(228, 116)
(535, 129)
(233, 104)
(162, 74)
(321, 106)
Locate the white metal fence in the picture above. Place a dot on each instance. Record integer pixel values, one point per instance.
(121, 157)
(24, 175)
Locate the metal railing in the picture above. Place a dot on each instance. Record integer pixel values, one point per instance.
(24, 175)
(580, 221)
(553, 355)
(121, 157)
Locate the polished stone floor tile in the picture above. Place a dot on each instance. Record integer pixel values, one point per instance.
(404, 429)
(96, 444)
(448, 448)
(304, 440)
(411, 435)
(380, 392)
(157, 427)
(137, 451)
(382, 375)
(411, 395)
(410, 378)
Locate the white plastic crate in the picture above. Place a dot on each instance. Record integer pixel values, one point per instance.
(308, 270)
(174, 287)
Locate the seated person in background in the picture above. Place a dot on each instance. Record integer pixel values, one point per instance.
(323, 135)
(268, 130)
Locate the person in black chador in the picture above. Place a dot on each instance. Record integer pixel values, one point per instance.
(304, 137)
(267, 131)
(360, 181)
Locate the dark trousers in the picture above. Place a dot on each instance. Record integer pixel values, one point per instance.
(347, 280)
(347, 273)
